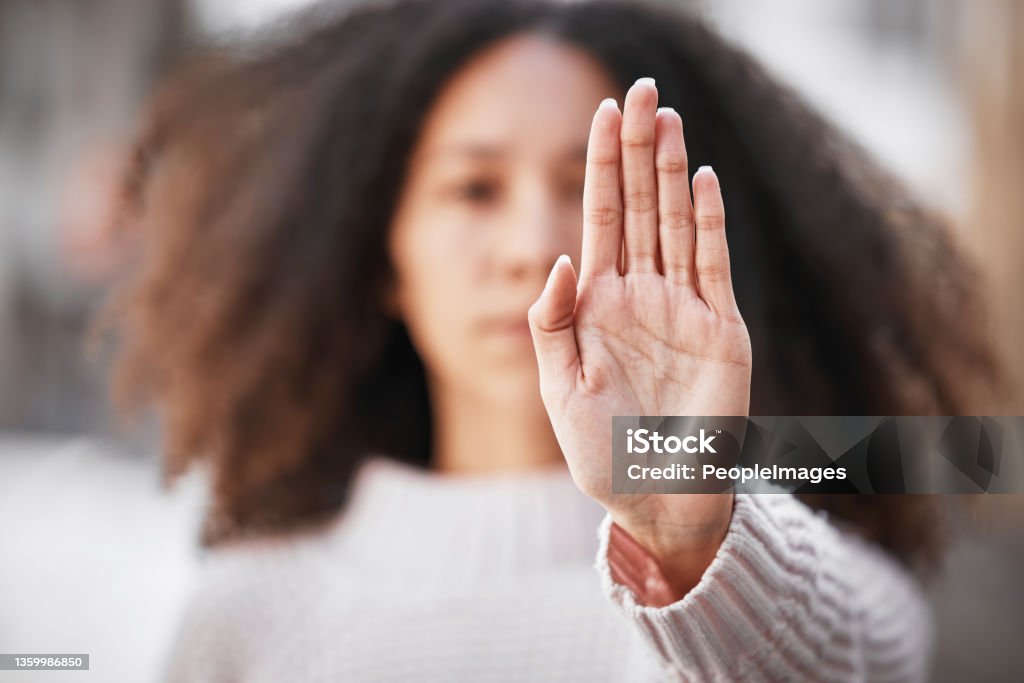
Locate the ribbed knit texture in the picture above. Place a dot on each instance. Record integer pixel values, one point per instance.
(492, 578)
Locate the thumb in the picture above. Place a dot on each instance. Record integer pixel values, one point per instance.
(551, 323)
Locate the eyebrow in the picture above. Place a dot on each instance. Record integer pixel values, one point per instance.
(483, 151)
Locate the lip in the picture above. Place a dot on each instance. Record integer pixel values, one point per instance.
(517, 327)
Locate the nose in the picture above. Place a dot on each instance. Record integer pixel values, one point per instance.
(541, 226)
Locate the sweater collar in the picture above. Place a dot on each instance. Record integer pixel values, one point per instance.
(404, 520)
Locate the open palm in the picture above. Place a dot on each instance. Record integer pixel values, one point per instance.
(651, 326)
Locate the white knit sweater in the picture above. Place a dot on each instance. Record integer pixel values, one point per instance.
(426, 577)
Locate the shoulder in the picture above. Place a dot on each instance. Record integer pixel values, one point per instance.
(259, 575)
(248, 594)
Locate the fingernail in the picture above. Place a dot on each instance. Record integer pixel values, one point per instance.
(646, 80)
(609, 103)
(705, 168)
(666, 110)
(554, 269)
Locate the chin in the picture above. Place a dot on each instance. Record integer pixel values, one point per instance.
(518, 389)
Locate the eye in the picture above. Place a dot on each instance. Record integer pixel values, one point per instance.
(573, 189)
(477, 191)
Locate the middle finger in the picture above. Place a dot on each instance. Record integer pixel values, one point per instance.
(639, 181)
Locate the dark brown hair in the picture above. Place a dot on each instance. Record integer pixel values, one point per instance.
(264, 181)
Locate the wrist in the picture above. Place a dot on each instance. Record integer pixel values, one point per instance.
(666, 558)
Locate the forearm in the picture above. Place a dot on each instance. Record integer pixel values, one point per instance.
(787, 597)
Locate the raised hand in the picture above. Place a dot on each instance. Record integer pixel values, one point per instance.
(650, 327)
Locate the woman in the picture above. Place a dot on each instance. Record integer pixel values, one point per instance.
(353, 288)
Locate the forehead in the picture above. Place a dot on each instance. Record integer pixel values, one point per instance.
(527, 92)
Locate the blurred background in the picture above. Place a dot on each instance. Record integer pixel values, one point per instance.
(95, 558)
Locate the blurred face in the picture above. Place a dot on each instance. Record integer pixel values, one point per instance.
(493, 196)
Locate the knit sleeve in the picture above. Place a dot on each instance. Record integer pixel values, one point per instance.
(787, 597)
